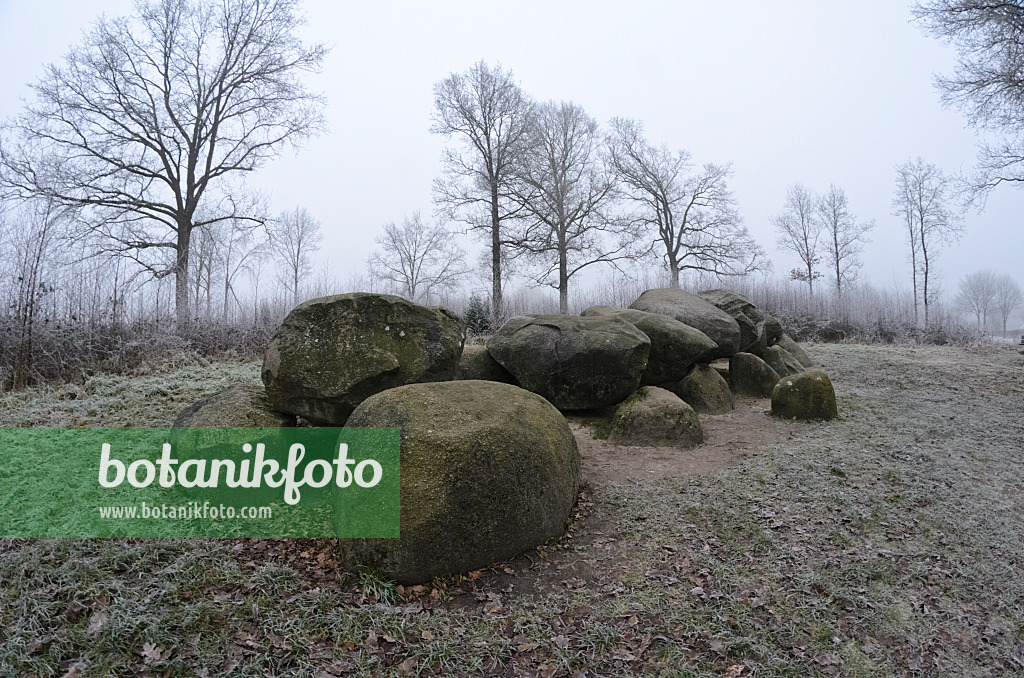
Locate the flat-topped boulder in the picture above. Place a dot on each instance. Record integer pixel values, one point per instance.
(691, 310)
(488, 471)
(675, 346)
(576, 363)
(332, 353)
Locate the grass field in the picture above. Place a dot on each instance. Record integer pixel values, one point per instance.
(888, 542)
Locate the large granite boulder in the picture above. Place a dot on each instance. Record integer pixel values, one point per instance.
(808, 395)
(332, 353)
(488, 471)
(780, 360)
(757, 328)
(476, 363)
(705, 390)
(654, 417)
(751, 376)
(576, 363)
(790, 345)
(674, 346)
(691, 310)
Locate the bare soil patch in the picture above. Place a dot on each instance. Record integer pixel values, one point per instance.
(729, 439)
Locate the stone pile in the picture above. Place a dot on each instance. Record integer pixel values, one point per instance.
(490, 467)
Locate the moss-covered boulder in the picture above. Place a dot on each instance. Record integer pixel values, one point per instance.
(476, 363)
(751, 376)
(705, 390)
(239, 405)
(576, 363)
(790, 345)
(332, 353)
(654, 417)
(675, 347)
(691, 310)
(808, 395)
(780, 360)
(488, 471)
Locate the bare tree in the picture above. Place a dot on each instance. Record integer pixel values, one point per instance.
(923, 198)
(1008, 297)
(693, 214)
(294, 237)
(977, 295)
(844, 236)
(564, 190)
(144, 120)
(418, 259)
(34, 229)
(987, 84)
(799, 226)
(490, 114)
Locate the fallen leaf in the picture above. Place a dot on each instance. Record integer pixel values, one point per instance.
(96, 622)
(151, 653)
(408, 666)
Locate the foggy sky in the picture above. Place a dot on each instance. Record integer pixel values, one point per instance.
(802, 91)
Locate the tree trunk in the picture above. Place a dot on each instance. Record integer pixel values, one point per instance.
(497, 301)
(563, 277)
(181, 300)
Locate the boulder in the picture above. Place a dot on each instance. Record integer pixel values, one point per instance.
(477, 363)
(789, 344)
(488, 471)
(757, 328)
(740, 308)
(332, 353)
(691, 310)
(240, 405)
(808, 395)
(576, 363)
(705, 390)
(780, 360)
(654, 417)
(674, 346)
(751, 376)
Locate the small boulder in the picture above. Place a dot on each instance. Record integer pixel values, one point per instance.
(780, 360)
(332, 353)
(654, 417)
(691, 310)
(576, 363)
(751, 376)
(488, 471)
(674, 345)
(705, 390)
(790, 345)
(477, 363)
(808, 395)
(240, 405)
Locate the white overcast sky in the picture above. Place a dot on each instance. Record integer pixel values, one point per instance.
(798, 91)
